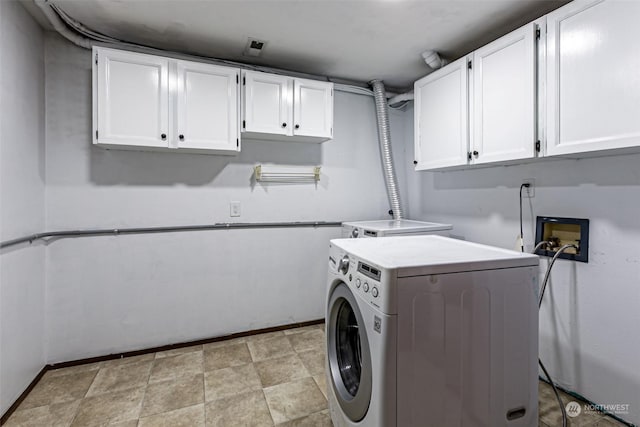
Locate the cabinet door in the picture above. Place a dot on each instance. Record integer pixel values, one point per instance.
(207, 100)
(504, 91)
(593, 89)
(312, 108)
(441, 117)
(267, 103)
(131, 99)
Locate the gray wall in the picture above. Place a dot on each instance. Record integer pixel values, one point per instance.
(589, 320)
(111, 294)
(22, 205)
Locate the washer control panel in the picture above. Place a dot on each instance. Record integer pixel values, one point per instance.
(366, 280)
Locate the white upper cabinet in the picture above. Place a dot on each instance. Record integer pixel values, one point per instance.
(504, 98)
(593, 84)
(150, 102)
(312, 108)
(268, 102)
(480, 108)
(131, 99)
(207, 113)
(284, 108)
(441, 117)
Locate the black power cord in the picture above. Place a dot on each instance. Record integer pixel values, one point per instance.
(544, 285)
(525, 185)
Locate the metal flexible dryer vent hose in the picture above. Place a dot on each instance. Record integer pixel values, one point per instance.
(384, 138)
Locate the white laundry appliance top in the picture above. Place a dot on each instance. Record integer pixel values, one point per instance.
(405, 225)
(424, 255)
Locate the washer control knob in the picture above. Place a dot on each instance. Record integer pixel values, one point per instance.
(354, 233)
(365, 287)
(358, 283)
(374, 292)
(344, 265)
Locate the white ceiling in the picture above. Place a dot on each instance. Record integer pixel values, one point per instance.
(350, 39)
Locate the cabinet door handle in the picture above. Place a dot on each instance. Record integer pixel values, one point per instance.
(284, 125)
(163, 136)
(297, 126)
(181, 137)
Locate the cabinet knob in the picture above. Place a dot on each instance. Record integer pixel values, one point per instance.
(475, 153)
(181, 137)
(415, 162)
(284, 125)
(163, 136)
(297, 126)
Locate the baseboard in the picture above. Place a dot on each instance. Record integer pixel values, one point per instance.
(24, 394)
(60, 365)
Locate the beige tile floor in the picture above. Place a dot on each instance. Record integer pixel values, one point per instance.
(263, 380)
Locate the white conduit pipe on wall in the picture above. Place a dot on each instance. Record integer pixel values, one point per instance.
(61, 27)
(84, 37)
(384, 138)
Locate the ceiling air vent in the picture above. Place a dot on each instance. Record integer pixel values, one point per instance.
(254, 47)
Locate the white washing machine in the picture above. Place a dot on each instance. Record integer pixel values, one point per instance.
(399, 227)
(429, 331)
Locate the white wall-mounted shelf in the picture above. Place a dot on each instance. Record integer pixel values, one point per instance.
(273, 173)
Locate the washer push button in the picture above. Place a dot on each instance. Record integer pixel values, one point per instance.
(374, 292)
(365, 287)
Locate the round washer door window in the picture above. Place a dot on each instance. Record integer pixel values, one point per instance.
(349, 355)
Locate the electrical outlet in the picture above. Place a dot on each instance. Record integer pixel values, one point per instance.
(530, 191)
(234, 209)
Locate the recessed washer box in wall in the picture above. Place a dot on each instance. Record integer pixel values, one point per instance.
(563, 231)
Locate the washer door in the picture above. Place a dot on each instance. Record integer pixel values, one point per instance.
(349, 354)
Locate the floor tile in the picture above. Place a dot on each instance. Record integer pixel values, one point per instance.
(227, 356)
(606, 422)
(294, 400)
(230, 381)
(173, 394)
(265, 336)
(225, 342)
(319, 419)
(321, 382)
(247, 410)
(191, 416)
(55, 415)
(314, 361)
(130, 423)
(168, 368)
(105, 409)
(549, 412)
(73, 369)
(178, 351)
(304, 329)
(63, 388)
(131, 359)
(309, 340)
(270, 348)
(121, 377)
(281, 370)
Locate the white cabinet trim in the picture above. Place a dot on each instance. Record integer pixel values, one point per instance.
(103, 133)
(554, 145)
(459, 66)
(521, 149)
